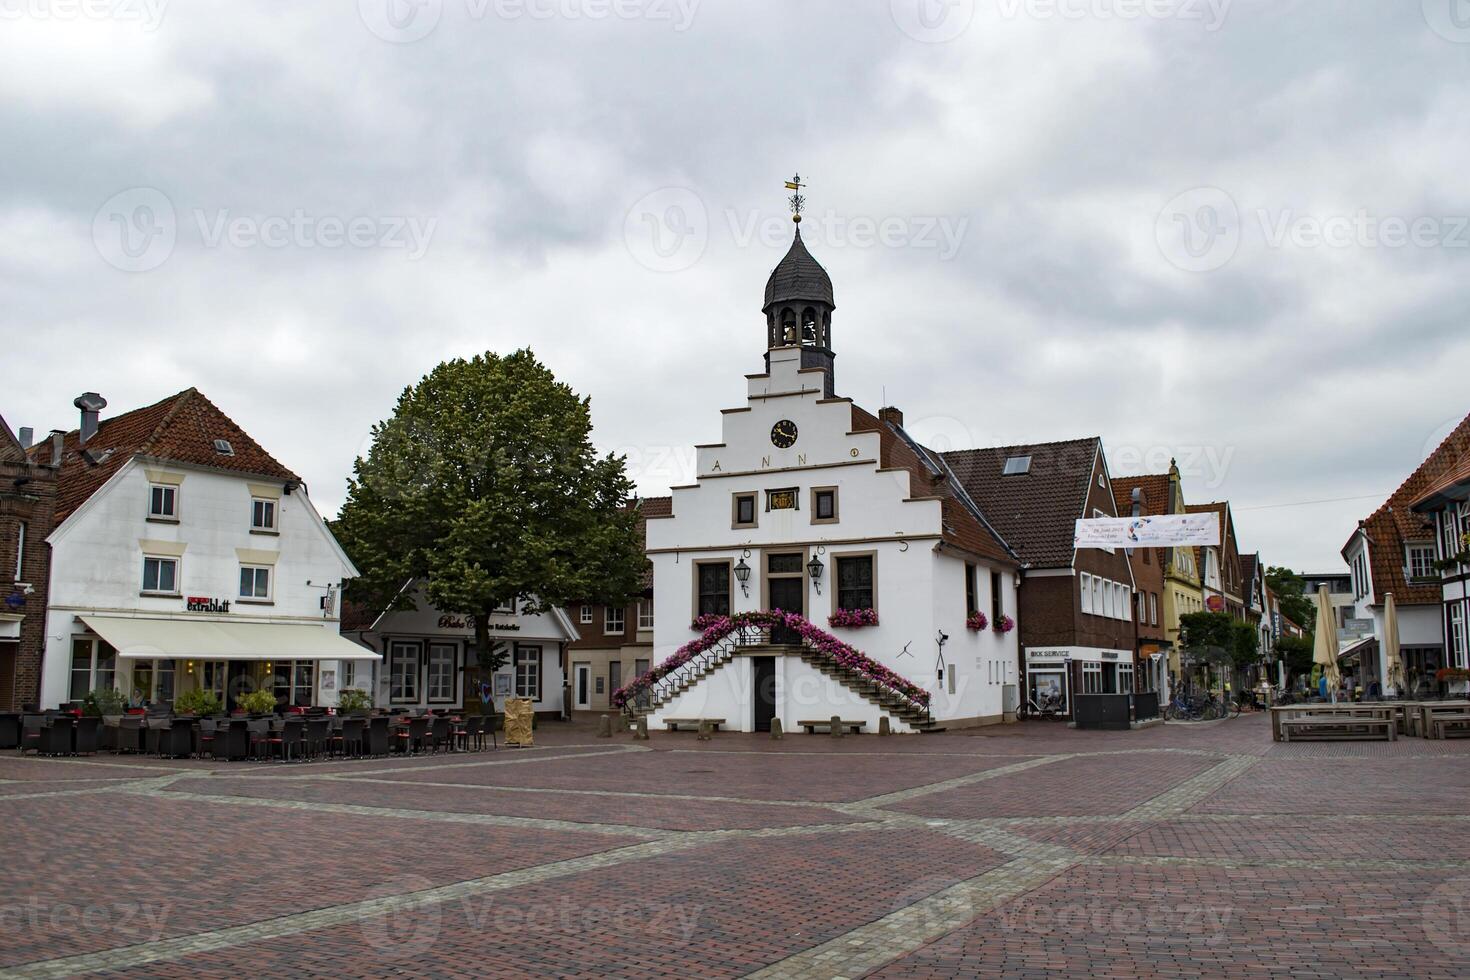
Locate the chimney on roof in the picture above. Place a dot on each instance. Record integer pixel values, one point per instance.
(891, 414)
(57, 438)
(27, 435)
(91, 405)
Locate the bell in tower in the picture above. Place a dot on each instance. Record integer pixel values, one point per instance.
(799, 302)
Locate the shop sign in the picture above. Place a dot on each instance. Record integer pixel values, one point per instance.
(448, 622)
(205, 604)
(1057, 655)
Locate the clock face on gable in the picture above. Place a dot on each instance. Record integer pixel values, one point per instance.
(783, 434)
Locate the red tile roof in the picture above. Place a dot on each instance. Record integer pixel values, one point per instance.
(182, 429)
(1155, 493)
(1035, 512)
(928, 477)
(1457, 479)
(1395, 524)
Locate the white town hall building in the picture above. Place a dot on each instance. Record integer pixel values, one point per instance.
(811, 505)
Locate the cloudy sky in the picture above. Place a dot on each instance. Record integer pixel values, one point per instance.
(1229, 232)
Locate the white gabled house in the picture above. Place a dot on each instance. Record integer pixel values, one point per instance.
(185, 556)
(429, 656)
(810, 505)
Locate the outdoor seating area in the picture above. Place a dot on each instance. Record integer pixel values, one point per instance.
(1381, 720)
(297, 735)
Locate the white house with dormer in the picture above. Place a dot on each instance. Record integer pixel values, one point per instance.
(811, 505)
(185, 556)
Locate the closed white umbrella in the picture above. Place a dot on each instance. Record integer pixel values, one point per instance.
(1393, 663)
(1324, 648)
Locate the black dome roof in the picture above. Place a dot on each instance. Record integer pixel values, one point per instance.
(799, 278)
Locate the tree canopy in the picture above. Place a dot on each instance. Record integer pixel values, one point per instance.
(1290, 590)
(485, 485)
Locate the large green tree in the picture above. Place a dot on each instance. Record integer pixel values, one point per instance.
(1290, 590)
(1297, 652)
(485, 485)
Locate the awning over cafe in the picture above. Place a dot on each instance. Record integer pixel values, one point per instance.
(212, 640)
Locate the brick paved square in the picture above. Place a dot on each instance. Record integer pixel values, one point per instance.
(920, 856)
(1107, 784)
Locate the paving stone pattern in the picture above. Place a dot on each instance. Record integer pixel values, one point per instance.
(1178, 851)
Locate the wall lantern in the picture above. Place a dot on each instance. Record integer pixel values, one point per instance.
(742, 575)
(814, 568)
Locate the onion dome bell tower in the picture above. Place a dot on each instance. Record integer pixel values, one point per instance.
(799, 302)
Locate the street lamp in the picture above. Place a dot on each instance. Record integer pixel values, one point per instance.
(742, 575)
(814, 568)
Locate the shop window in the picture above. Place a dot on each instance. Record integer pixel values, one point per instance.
(528, 672)
(93, 666)
(442, 657)
(153, 682)
(403, 673)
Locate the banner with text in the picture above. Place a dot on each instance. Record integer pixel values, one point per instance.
(1162, 531)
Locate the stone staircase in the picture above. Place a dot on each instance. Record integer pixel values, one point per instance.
(911, 715)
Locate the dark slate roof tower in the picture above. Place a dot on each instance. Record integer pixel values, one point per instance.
(799, 303)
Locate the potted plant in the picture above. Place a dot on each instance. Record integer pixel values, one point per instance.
(198, 702)
(257, 702)
(104, 701)
(353, 699)
(1004, 624)
(977, 621)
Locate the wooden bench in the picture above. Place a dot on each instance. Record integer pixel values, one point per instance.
(1342, 727)
(1443, 723)
(672, 724)
(855, 727)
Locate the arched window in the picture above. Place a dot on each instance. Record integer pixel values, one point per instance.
(788, 327)
(809, 326)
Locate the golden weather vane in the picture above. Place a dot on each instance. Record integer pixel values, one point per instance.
(796, 200)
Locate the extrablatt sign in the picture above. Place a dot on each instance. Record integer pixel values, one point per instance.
(1161, 531)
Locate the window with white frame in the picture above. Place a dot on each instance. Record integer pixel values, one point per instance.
(1457, 636)
(1087, 593)
(1125, 604)
(403, 672)
(1421, 561)
(1092, 679)
(163, 502)
(255, 583)
(294, 682)
(20, 550)
(153, 682)
(161, 575)
(528, 672)
(441, 672)
(645, 614)
(93, 666)
(586, 617)
(1125, 678)
(505, 608)
(1153, 609)
(262, 514)
(614, 620)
